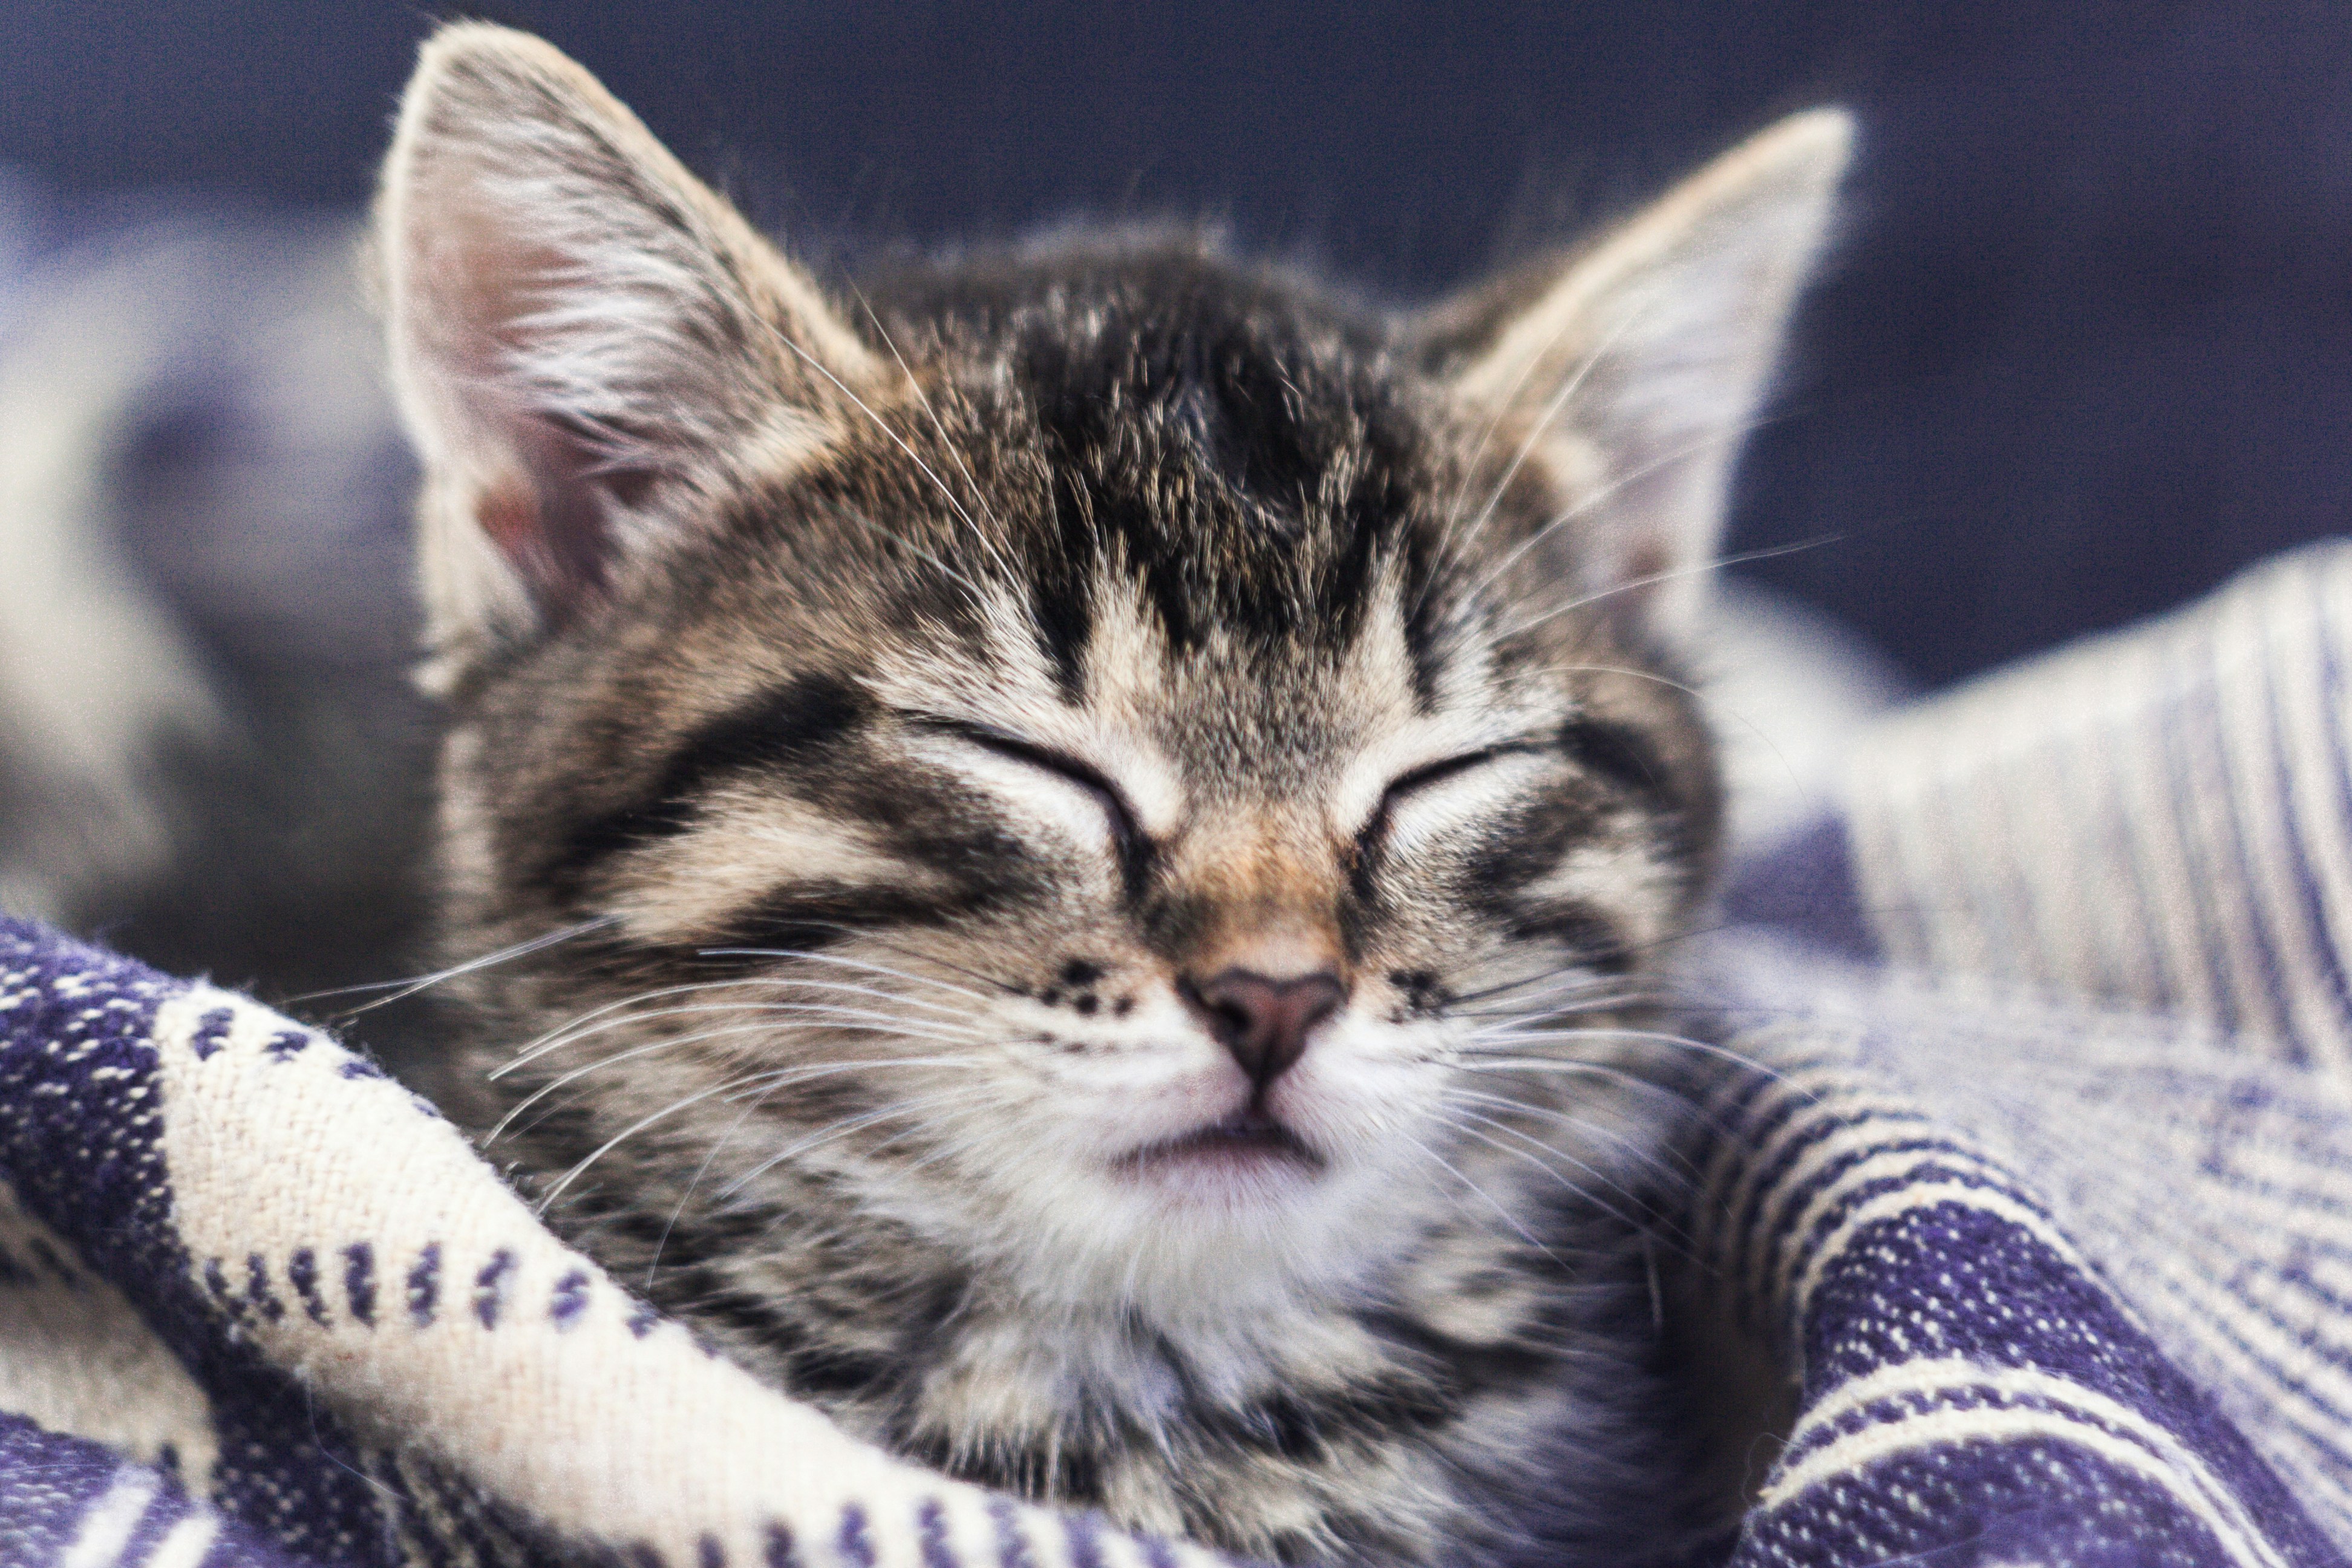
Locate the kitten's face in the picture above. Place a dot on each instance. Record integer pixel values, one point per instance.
(1104, 761)
(1164, 792)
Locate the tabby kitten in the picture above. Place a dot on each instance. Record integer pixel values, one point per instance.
(1108, 812)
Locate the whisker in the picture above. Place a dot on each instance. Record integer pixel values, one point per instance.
(1707, 1047)
(1631, 1222)
(624, 1136)
(1616, 1075)
(1653, 578)
(403, 989)
(868, 934)
(1544, 422)
(793, 1074)
(804, 956)
(766, 1027)
(1508, 1217)
(653, 1264)
(530, 1050)
(1678, 1171)
(1696, 1103)
(946, 1148)
(685, 1102)
(1585, 504)
(839, 1130)
(912, 455)
(979, 497)
(980, 1095)
(804, 982)
(917, 1028)
(1568, 990)
(1542, 1008)
(671, 1042)
(1576, 971)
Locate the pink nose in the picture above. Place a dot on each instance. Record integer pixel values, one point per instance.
(1265, 1022)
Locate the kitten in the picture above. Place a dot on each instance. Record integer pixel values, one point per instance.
(1110, 810)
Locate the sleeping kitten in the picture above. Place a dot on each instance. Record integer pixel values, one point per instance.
(1108, 814)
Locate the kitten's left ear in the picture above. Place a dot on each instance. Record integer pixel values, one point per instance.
(1636, 368)
(583, 335)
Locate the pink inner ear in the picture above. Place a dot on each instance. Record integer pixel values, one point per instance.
(509, 515)
(551, 521)
(478, 287)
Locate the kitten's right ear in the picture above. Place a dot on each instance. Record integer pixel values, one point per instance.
(1637, 366)
(582, 334)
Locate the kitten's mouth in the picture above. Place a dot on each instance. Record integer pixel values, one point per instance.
(1248, 1140)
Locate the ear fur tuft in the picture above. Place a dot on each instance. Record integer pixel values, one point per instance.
(581, 331)
(1635, 370)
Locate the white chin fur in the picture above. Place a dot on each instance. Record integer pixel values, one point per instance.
(1050, 1192)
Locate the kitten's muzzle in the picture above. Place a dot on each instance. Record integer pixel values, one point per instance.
(1264, 1023)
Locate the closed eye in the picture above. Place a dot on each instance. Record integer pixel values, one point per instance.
(1420, 778)
(1128, 837)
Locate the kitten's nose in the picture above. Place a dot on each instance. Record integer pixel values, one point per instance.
(1265, 1022)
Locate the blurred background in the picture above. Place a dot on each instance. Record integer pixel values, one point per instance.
(2086, 348)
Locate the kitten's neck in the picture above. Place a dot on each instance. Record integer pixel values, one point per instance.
(1446, 1363)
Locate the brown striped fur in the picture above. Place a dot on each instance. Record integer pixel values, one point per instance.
(911, 705)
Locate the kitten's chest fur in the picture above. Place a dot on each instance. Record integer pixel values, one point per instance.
(1423, 1415)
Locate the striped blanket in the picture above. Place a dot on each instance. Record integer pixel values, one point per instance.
(2026, 1189)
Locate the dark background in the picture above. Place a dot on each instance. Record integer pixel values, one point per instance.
(2084, 352)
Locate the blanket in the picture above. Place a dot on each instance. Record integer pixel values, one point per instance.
(2026, 1186)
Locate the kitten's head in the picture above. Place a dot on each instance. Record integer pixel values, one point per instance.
(1099, 753)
